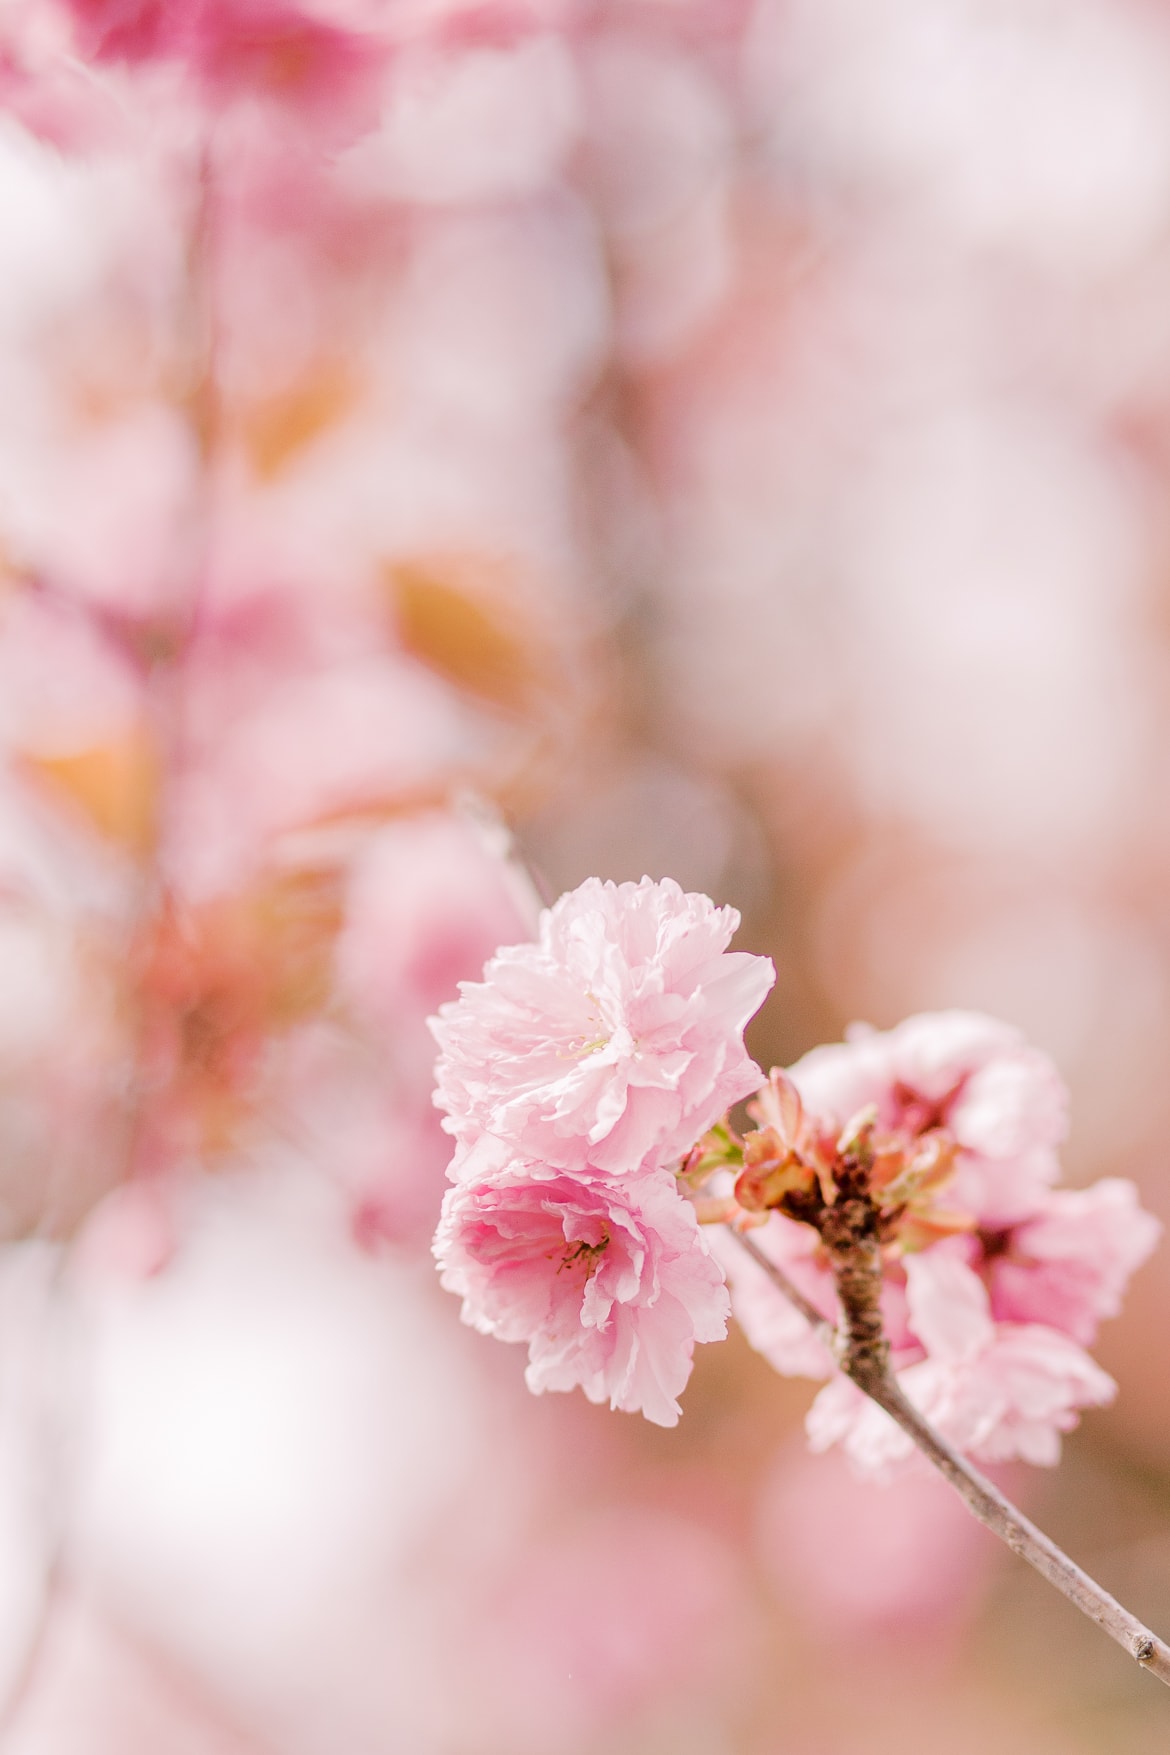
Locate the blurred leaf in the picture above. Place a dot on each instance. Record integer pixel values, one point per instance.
(115, 785)
(294, 921)
(457, 614)
(277, 427)
(218, 981)
(10, 574)
(252, 961)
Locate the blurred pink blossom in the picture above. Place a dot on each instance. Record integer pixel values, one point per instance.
(275, 48)
(430, 899)
(884, 1558)
(615, 1041)
(40, 87)
(629, 1610)
(610, 1283)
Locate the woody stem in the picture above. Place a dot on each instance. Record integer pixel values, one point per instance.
(862, 1352)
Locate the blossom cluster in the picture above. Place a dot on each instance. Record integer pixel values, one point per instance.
(994, 1280)
(574, 1077)
(586, 1082)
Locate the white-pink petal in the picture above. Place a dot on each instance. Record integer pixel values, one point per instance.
(948, 1306)
(610, 1283)
(615, 1041)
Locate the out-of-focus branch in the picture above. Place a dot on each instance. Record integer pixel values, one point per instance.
(56, 1347)
(862, 1352)
(32, 1658)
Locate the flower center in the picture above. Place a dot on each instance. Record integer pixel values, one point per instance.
(588, 1043)
(583, 1252)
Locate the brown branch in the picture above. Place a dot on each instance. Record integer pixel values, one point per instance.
(857, 1267)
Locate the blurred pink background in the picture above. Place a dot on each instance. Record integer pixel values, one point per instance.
(712, 439)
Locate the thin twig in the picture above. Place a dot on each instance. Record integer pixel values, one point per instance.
(780, 1279)
(31, 1664)
(54, 1365)
(990, 1506)
(982, 1499)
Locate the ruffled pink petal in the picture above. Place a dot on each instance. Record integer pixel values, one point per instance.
(1068, 1265)
(610, 1284)
(615, 1041)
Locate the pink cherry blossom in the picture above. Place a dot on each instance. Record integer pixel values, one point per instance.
(1068, 1264)
(993, 1390)
(992, 1281)
(609, 1283)
(615, 1041)
(1001, 1100)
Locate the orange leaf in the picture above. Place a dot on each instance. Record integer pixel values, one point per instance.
(218, 981)
(459, 615)
(294, 921)
(115, 785)
(278, 426)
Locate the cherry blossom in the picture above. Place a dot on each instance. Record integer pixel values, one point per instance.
(608, 1282)
(401, 399)
(1001, 1100)
(613, 1042)
(993, 1281)
(993, 1390)
(1068, 1263)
